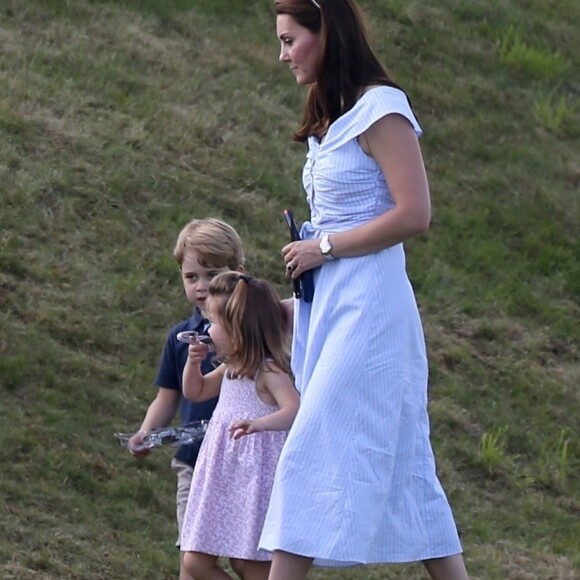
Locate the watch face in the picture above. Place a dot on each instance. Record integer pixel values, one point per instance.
(325, 246)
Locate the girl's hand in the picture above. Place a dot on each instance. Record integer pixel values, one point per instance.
(244, 427)
(197, 352)
(302, 256)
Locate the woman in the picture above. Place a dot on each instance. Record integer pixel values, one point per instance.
(356, 481)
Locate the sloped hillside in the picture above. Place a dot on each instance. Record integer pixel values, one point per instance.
(120, 121)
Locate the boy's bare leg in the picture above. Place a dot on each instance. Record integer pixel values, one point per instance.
(448, 568)
(288, 566)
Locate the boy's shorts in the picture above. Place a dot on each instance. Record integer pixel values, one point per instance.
(184, 474)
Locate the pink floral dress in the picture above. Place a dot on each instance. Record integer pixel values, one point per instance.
(232, 480)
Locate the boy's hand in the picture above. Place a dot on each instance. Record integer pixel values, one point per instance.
(197, 352)
(244, 427)
(136, 447)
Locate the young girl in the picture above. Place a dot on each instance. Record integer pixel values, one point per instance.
(231, 484)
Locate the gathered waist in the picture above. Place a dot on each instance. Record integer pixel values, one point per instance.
(309, 232)
(330, 226)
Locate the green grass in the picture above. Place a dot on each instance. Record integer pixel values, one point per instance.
(120, 121)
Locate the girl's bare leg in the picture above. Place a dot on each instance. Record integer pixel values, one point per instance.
(448, 568)
(183, 573)
(238, 567)
(204, 566)
(288, 566)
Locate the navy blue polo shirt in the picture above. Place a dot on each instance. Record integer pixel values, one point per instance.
(170, 376)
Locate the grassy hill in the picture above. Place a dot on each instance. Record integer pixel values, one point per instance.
(120, 121)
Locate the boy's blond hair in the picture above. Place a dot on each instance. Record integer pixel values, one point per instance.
(216, 244)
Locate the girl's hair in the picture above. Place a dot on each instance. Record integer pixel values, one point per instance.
(251, 313)
(216, 244)
(347, 63)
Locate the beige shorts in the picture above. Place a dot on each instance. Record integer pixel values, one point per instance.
(184, 473)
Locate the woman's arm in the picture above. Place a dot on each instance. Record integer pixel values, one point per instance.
(198, 387)
(392, 142)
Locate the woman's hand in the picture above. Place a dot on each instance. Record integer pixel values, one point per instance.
(302, 256)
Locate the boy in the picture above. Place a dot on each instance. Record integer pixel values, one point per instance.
(204, 249)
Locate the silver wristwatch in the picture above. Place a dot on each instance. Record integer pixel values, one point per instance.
(326, 247)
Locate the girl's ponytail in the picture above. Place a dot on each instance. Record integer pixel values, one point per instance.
(251, 313)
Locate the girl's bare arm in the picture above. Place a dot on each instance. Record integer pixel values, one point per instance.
(280, 387)
(198, 387)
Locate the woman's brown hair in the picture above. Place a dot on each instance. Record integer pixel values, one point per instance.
(250, 311)
(347, 63)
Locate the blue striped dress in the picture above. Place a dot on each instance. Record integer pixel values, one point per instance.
(356, 480)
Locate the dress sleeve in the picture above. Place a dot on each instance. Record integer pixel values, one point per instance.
(375, 104)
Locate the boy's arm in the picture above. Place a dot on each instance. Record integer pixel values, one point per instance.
(196, 386)
(159, 414)
(279, 385)
(288, 307)
(161, 410)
